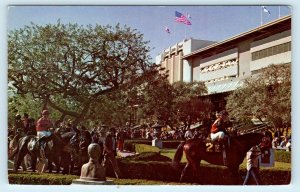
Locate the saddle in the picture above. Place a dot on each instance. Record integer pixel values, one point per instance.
(40, 143)
(216, 146)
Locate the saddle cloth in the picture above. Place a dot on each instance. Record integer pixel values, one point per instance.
(35, 145)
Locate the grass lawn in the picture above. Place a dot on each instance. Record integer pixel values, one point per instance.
(278, 165)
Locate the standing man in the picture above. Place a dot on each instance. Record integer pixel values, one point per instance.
(26, 123)
(110, 151)
(253, 165)
(120, 139)
(188, 134)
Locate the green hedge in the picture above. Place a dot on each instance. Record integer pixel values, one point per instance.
(209, 174)
(140, 148)
(148, 156)
(163, 171)
(170, 144)
(40, 179)
(283, 156)
(129, 144)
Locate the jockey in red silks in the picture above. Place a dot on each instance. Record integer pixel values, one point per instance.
(217, 131)
(43, 126)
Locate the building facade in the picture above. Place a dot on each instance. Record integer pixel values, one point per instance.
(224, 65)
(171, 59)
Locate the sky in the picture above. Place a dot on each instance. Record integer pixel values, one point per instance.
(213, 23)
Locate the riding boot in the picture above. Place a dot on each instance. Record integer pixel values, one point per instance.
(42, 153)
(42, 163)
(224, 157)
(223, 145)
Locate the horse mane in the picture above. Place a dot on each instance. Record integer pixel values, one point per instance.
(247, 141)
(68, 134)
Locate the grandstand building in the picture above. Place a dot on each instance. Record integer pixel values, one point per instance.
(224, 65)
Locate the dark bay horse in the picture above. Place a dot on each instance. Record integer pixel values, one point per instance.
(196, 150)
(78, 154)
(25, 146)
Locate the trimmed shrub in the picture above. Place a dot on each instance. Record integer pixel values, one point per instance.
(140, 148)
(148, 156)
(129, 144)
(283, 156)
(208, 174)
(40, 179)
(152, 170)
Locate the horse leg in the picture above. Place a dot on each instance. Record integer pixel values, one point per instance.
(183, 173)
(71, 167)
(23, 164)
(235, 178)
(57, 163)
(19, 157)
(50, 165)
(33, 162)
(196, 167)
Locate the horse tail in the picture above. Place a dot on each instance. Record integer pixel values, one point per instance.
(13, 152)
(14, 147)
(178, 155)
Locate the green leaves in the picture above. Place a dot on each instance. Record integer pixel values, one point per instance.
(267, 96)
(175, 104)
(69, 66)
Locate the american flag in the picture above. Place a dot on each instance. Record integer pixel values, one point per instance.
(179, 17)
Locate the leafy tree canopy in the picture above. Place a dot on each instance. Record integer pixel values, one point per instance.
(266, 97)
(70, 67)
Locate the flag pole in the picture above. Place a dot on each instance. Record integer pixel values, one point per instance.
(174, 31)
(185, 28)
(260, 15)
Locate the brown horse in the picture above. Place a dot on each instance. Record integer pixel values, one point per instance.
(196, 150)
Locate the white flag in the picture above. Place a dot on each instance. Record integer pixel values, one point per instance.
(167, 30)
(266, 10)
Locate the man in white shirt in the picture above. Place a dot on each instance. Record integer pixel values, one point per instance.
(188, 134)
(253, 165)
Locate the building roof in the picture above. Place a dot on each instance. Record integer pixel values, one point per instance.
(281, 24)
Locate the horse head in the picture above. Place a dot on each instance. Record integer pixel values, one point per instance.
(85, 140)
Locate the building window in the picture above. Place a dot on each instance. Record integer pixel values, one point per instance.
(285, 47)
(218, 66)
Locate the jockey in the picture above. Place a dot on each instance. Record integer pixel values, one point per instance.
(43, 126)
(217, 131)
